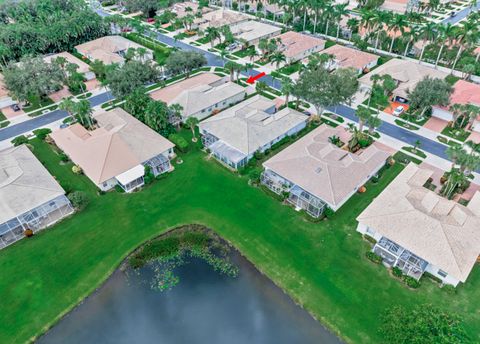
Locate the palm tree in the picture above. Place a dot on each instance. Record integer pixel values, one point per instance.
(84, 112)
(212, 33)
(467, 36)
(417, 145)
(68, 105)
(411, 37)
(223, 53)
(453, 153)
(252, 53)
(277, 58)
(340, 12)
(287, 88)
(445, 33)
(380, 19)
(328, 15)
(363, 115)
(352, 24)
(366, 20)
(398, 23)
(192, 122)
(231, 67)
(428, 32)
(373, 122)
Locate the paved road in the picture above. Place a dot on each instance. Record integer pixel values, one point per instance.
(460, 15)
(44, 120)
(396, 132)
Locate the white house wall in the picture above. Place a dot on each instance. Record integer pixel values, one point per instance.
(442, 114)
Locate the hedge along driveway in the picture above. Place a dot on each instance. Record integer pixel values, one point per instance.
(322, 266)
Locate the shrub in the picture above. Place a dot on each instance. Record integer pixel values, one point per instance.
(369, 239)
(42, 133)
(254, 176)
(119, 189)
(449, 289)
(76, 169)
(148, 176)
(397, 272)
(374, 257)
(411, 282)
(79, 199)
(328, 212)
(179, 141)
(19, 140)
(64, 157)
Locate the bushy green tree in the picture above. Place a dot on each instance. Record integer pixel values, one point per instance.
(184, 62)
(429, 92)
(133, 74)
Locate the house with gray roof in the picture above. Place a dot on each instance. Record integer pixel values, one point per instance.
(254, 125)
(30, 198)
(417, 230)
(317, 174)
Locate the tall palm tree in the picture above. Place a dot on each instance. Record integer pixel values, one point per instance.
(212, 33)
(379, 20)
(366, 17)
(446, 33)
(427, 33)
(467, 36)
(398, 23)
(340, 12)
(363, 114)
(277, 58)
(411, 37)
(328, 15)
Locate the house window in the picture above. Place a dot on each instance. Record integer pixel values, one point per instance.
(442, 273)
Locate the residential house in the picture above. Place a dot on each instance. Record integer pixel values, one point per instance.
(253, 31)
(406, 74)
(117, 152)
(201, 95)
(344, 57)
(400, 6)
(219, 18)
(182, 9)
(317, 174)
(417, 230)
(254, 125)
(111, 49)
(83, 68)
(464, 92)
(30, 198)
(297, 46)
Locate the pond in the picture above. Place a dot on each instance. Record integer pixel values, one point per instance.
(204, 307)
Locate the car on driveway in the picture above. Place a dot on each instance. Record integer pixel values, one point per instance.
(398, 110)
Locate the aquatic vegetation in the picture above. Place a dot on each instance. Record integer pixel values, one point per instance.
(175, 249)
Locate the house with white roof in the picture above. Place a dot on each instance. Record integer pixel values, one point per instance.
(345, 57)
(30, 198)
(117, 152)
(417, 230)
(201, 95)
(297, 46)
(111, 49)
(407, 74)
(253, 31)
(83, 68)
(254, 125)
(219, 18)
(317, 174)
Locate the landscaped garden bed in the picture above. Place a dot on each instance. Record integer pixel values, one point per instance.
(406, 125)
(415, 151)
(456, 133)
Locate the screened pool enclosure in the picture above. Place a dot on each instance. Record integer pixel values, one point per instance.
(35, 219)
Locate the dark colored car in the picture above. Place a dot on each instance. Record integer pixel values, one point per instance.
(15, 107)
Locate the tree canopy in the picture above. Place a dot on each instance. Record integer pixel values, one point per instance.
(129, 77)
(430, 92)
(33, 78)
(323, 89)
(32, 27)
(184, 62)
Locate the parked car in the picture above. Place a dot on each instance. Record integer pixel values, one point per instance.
(15, 107)
(453, 14)
(64, 125)
(398, 110)
(232, 46)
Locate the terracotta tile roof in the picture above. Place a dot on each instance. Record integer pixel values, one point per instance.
(294, 43)
(440, 231)
(348, 57)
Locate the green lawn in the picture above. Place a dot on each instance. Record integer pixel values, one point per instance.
(321, 265)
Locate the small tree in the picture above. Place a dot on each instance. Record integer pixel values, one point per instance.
(192, 122)
(417, 145)
(19, 140)
(429, 92)
(79, 199)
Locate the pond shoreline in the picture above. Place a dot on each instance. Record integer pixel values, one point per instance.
(124, 265)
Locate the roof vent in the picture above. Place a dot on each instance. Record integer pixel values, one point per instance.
(318, 170)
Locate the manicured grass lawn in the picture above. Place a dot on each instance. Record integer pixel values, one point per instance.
(321, 265)
(456, 133)
(291, 68)
(244, 52)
